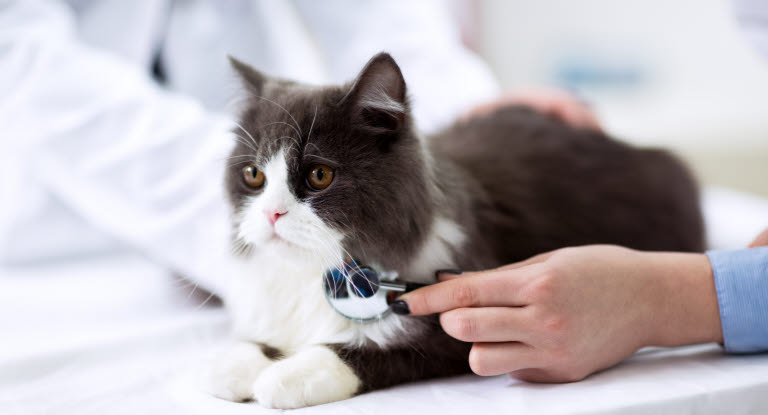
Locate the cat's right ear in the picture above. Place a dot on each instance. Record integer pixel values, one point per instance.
(377, 98)
(253, 79)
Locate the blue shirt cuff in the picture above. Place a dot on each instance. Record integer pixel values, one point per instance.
(741, 282)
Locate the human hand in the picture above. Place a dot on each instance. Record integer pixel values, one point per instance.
(563, 315)
(761, 240)
(558, 103)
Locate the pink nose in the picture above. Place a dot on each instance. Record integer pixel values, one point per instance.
(274, 215)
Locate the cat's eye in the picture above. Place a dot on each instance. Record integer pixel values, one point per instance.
(253, 177)
(319, 177)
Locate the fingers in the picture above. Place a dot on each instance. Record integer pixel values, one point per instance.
(761, 240)
(485, 289)
(487, 324)
(490, 359)
(577, 116)
(533, 260)
(561, 104)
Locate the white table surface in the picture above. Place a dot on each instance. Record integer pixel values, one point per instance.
(119, 335)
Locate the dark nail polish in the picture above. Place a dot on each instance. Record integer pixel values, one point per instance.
(453, 271)
(400, 307)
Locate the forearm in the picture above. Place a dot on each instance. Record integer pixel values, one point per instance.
(684, 300)
(718, 297)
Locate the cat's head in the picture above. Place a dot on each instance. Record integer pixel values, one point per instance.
(326, 172)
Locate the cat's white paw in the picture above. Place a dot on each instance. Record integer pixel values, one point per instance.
(311, 377)
(231, 376)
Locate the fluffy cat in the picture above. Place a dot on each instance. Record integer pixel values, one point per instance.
(319, 173)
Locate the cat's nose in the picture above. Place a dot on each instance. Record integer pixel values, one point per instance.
(274, 215)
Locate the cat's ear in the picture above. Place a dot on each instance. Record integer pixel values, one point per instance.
(253, 79)
(377, 98)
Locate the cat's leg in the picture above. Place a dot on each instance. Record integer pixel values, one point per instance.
(433, 356)
(231, 376)
(322, 374)
(313, 376)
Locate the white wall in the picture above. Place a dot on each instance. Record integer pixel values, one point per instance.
(677, 73)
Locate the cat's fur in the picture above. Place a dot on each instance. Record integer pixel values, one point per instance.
(482, 193)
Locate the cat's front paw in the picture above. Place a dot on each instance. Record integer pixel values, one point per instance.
(311, 377)
(231, 376)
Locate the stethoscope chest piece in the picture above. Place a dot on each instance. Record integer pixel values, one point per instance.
(361, 293)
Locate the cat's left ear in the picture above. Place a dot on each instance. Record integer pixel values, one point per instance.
(377, 98)
(253, 79)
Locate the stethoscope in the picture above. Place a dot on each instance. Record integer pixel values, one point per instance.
(362, 293)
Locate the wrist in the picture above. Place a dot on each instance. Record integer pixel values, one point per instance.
(685, 301)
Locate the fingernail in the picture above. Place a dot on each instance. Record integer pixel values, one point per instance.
(400, 307)
(452, 271)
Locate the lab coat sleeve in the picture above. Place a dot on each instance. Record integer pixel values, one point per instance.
(85, 131)
(444, 78)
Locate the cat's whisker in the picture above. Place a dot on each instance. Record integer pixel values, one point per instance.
(326, 263)
(263, 126)
(233, 103)
(313, 145)
(240, 247)
(225, 158)
(344, 251)
(415, 347)
(246, 132)
(242, 140)
(344, 272)
(323, 243)
(240, 156)
(183, 283)
(309, 135)
(191, 292)
(327, 160)
(295, 141)
(282, 108)
(356, 231)
(350, 256)
(210, 296)
(228, 157)
(237, 163)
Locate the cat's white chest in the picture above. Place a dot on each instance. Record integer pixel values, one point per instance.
(282, 304)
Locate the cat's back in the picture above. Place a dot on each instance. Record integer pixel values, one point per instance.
(517, 134)
(538, 184)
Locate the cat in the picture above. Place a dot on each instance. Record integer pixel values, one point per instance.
(323, 173)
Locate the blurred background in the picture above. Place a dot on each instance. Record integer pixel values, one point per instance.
(116, 118)
(681, 73)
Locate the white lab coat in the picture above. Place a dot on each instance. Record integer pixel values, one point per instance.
(95, 156)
